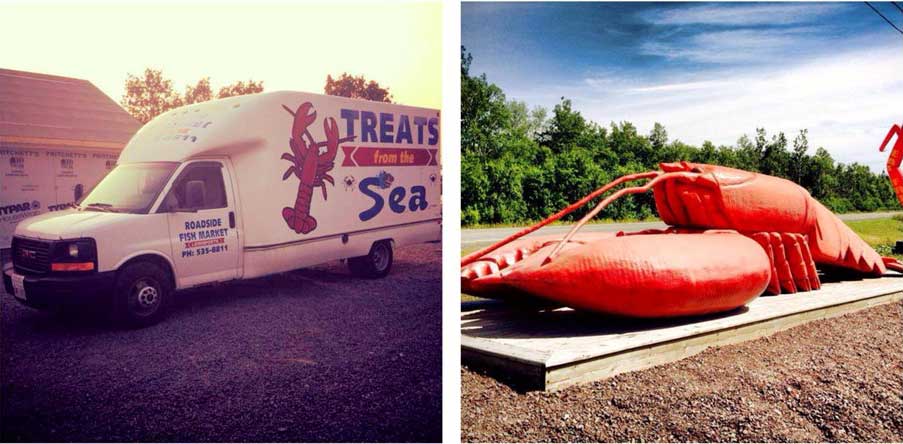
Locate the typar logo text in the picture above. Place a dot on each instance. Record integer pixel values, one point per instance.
(20, 207)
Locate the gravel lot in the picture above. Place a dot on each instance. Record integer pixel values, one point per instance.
(833, 380)
(310, 355)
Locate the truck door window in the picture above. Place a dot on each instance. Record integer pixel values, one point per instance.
(198, 187)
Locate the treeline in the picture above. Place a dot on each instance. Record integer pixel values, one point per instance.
(520, 165)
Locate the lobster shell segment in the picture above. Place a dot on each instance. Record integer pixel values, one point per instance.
(655, 275)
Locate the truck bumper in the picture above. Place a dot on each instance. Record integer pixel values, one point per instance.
(46, 292)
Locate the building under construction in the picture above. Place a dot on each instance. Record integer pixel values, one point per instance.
(58, 137)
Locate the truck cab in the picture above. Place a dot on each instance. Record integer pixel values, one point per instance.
(132, 213)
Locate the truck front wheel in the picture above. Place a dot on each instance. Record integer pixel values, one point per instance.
(375, 264)
(141, 294)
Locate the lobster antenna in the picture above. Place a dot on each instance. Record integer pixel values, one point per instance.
(342, 140)
(289, 110)
(608, 200)
(472, 257)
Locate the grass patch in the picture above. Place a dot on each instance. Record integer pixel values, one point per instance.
(881, 234)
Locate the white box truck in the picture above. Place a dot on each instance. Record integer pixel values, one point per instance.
(235, 189)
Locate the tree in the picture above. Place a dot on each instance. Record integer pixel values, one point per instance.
(747, 154)
(485, 115)
(151, 95)
(775, 158)
(200, 92)
(798, 159)
(240, 89)
(565, 127)
(538, 122)
(356, 87)
(658, 136)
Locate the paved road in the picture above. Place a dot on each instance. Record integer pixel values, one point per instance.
(310, 355)
(475, 237)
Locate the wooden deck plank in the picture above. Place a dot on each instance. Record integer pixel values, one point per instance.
(567, 346)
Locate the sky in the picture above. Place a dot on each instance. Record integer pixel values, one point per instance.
(707, 71)
(287, 46)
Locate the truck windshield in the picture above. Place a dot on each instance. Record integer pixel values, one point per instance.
(130, 188)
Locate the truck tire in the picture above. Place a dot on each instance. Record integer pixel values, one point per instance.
(375, 264)
(141, 294)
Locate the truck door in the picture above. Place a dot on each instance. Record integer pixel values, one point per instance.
(200, 211)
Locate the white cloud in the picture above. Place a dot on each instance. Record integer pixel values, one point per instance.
(734, 46)
(847, 101)
(683, 86)
(745, 15)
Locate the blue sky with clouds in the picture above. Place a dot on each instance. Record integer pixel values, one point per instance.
(707, 71)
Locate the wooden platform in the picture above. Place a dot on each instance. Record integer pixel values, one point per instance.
(551, 348)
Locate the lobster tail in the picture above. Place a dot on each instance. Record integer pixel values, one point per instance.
(299, 218)
(833, 243)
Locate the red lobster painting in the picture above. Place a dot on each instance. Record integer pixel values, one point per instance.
(733, 235)
(895, 159)
(309, 164)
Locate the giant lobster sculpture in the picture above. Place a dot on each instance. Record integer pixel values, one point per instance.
(311, 166)
(733, 235)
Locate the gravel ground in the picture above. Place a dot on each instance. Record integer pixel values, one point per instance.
(310, 355)
(833, 380)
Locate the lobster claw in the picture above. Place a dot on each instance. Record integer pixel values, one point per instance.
(332, 140)
(896, 153)
(305, 116)
(895, 159)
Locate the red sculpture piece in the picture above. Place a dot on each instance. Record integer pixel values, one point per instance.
(734, 234)
(896, 157)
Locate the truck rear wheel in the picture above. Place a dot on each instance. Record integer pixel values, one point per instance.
(141, 294)
(375, 264)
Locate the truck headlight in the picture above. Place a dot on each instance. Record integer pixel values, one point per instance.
(74, 255)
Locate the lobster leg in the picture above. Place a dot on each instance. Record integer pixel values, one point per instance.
(893, 264)
(792, 267)
(814, 282)
(798, 267)
(785, 276)
(764, 240)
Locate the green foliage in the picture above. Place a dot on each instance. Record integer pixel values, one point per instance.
(485, 115)
(151, 95)
(240, 88)
(356, 87)
(520, 165)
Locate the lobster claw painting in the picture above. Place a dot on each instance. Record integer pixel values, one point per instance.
(733, 235)
(310, 165)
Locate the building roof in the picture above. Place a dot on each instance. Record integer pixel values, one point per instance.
(60, 111)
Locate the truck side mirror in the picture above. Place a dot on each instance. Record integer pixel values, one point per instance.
(196, 193)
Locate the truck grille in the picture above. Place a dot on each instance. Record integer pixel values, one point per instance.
(30, 256)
